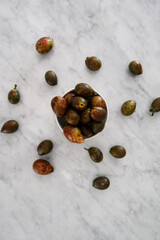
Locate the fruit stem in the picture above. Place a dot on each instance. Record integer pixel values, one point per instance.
(15, 86)
(153, 111)
(86, 149)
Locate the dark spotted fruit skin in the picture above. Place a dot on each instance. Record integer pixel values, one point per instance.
(98, 114)
(72, 117)
(98, 101)
(101, 183)
(135, 68)
(10, 126)
(69, 97)
(128, 107)
(59, 106)
(95, 154)
(45, 147)
(155, 106)
(93, 63)
(42, 167)
(44, 45)
(73, 134)
(84, 90)
(79, 103)
(118, 151)
(14, 96)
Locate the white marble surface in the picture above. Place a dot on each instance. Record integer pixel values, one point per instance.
(63, 205)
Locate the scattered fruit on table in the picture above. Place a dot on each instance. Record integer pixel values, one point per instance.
(10, 126)
(118, 151)
(128, 107)
(44, 45)
(51, 78)
(101, 183)
(93, 63)
(135, 68)
(95, 154)
(155, 106)
(14, 96)
(42, 167)
(45, 147)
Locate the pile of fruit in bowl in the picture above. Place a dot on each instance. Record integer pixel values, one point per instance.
(81, 113)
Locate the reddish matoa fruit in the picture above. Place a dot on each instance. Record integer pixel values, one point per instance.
(44, 45)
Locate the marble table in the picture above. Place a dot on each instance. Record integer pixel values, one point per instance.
(64, 205)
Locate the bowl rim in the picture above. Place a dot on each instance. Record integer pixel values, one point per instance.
(86, 139)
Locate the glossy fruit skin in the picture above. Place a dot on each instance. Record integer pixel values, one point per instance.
(118, 151)
(101, 183)
(135, 68)
(73, 134)
(51, 78)
(69, 97)
(72, 117)
(45, 147)
(10, 126)
(14, 96)
(59, 106)
(42, 167)
(128, 107)
(86, 131)
(44, 45)
(98, 114)
(155, 106)
(93, 63)
(95, 154)
(98, 101)
(86, 116)
(84, 90)
(97, 127)
(79, 103)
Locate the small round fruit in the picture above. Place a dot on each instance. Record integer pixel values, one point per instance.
(155, 106)
(86, 131)
(93, 63)
(128, 107)
(97, 127)
(51, 78)
(135, 68)
(14, 96)
(95, 154)
(45, 147)
(84, 90)
(44, 44)
(98, 101)
(69, 97)
(86, 116)
(10, 126)
(98, 114)
(101, 183)
(118, 151)
(42, 167)
(79, 103)
(59, 106)
(73, 134)
(72, 117)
